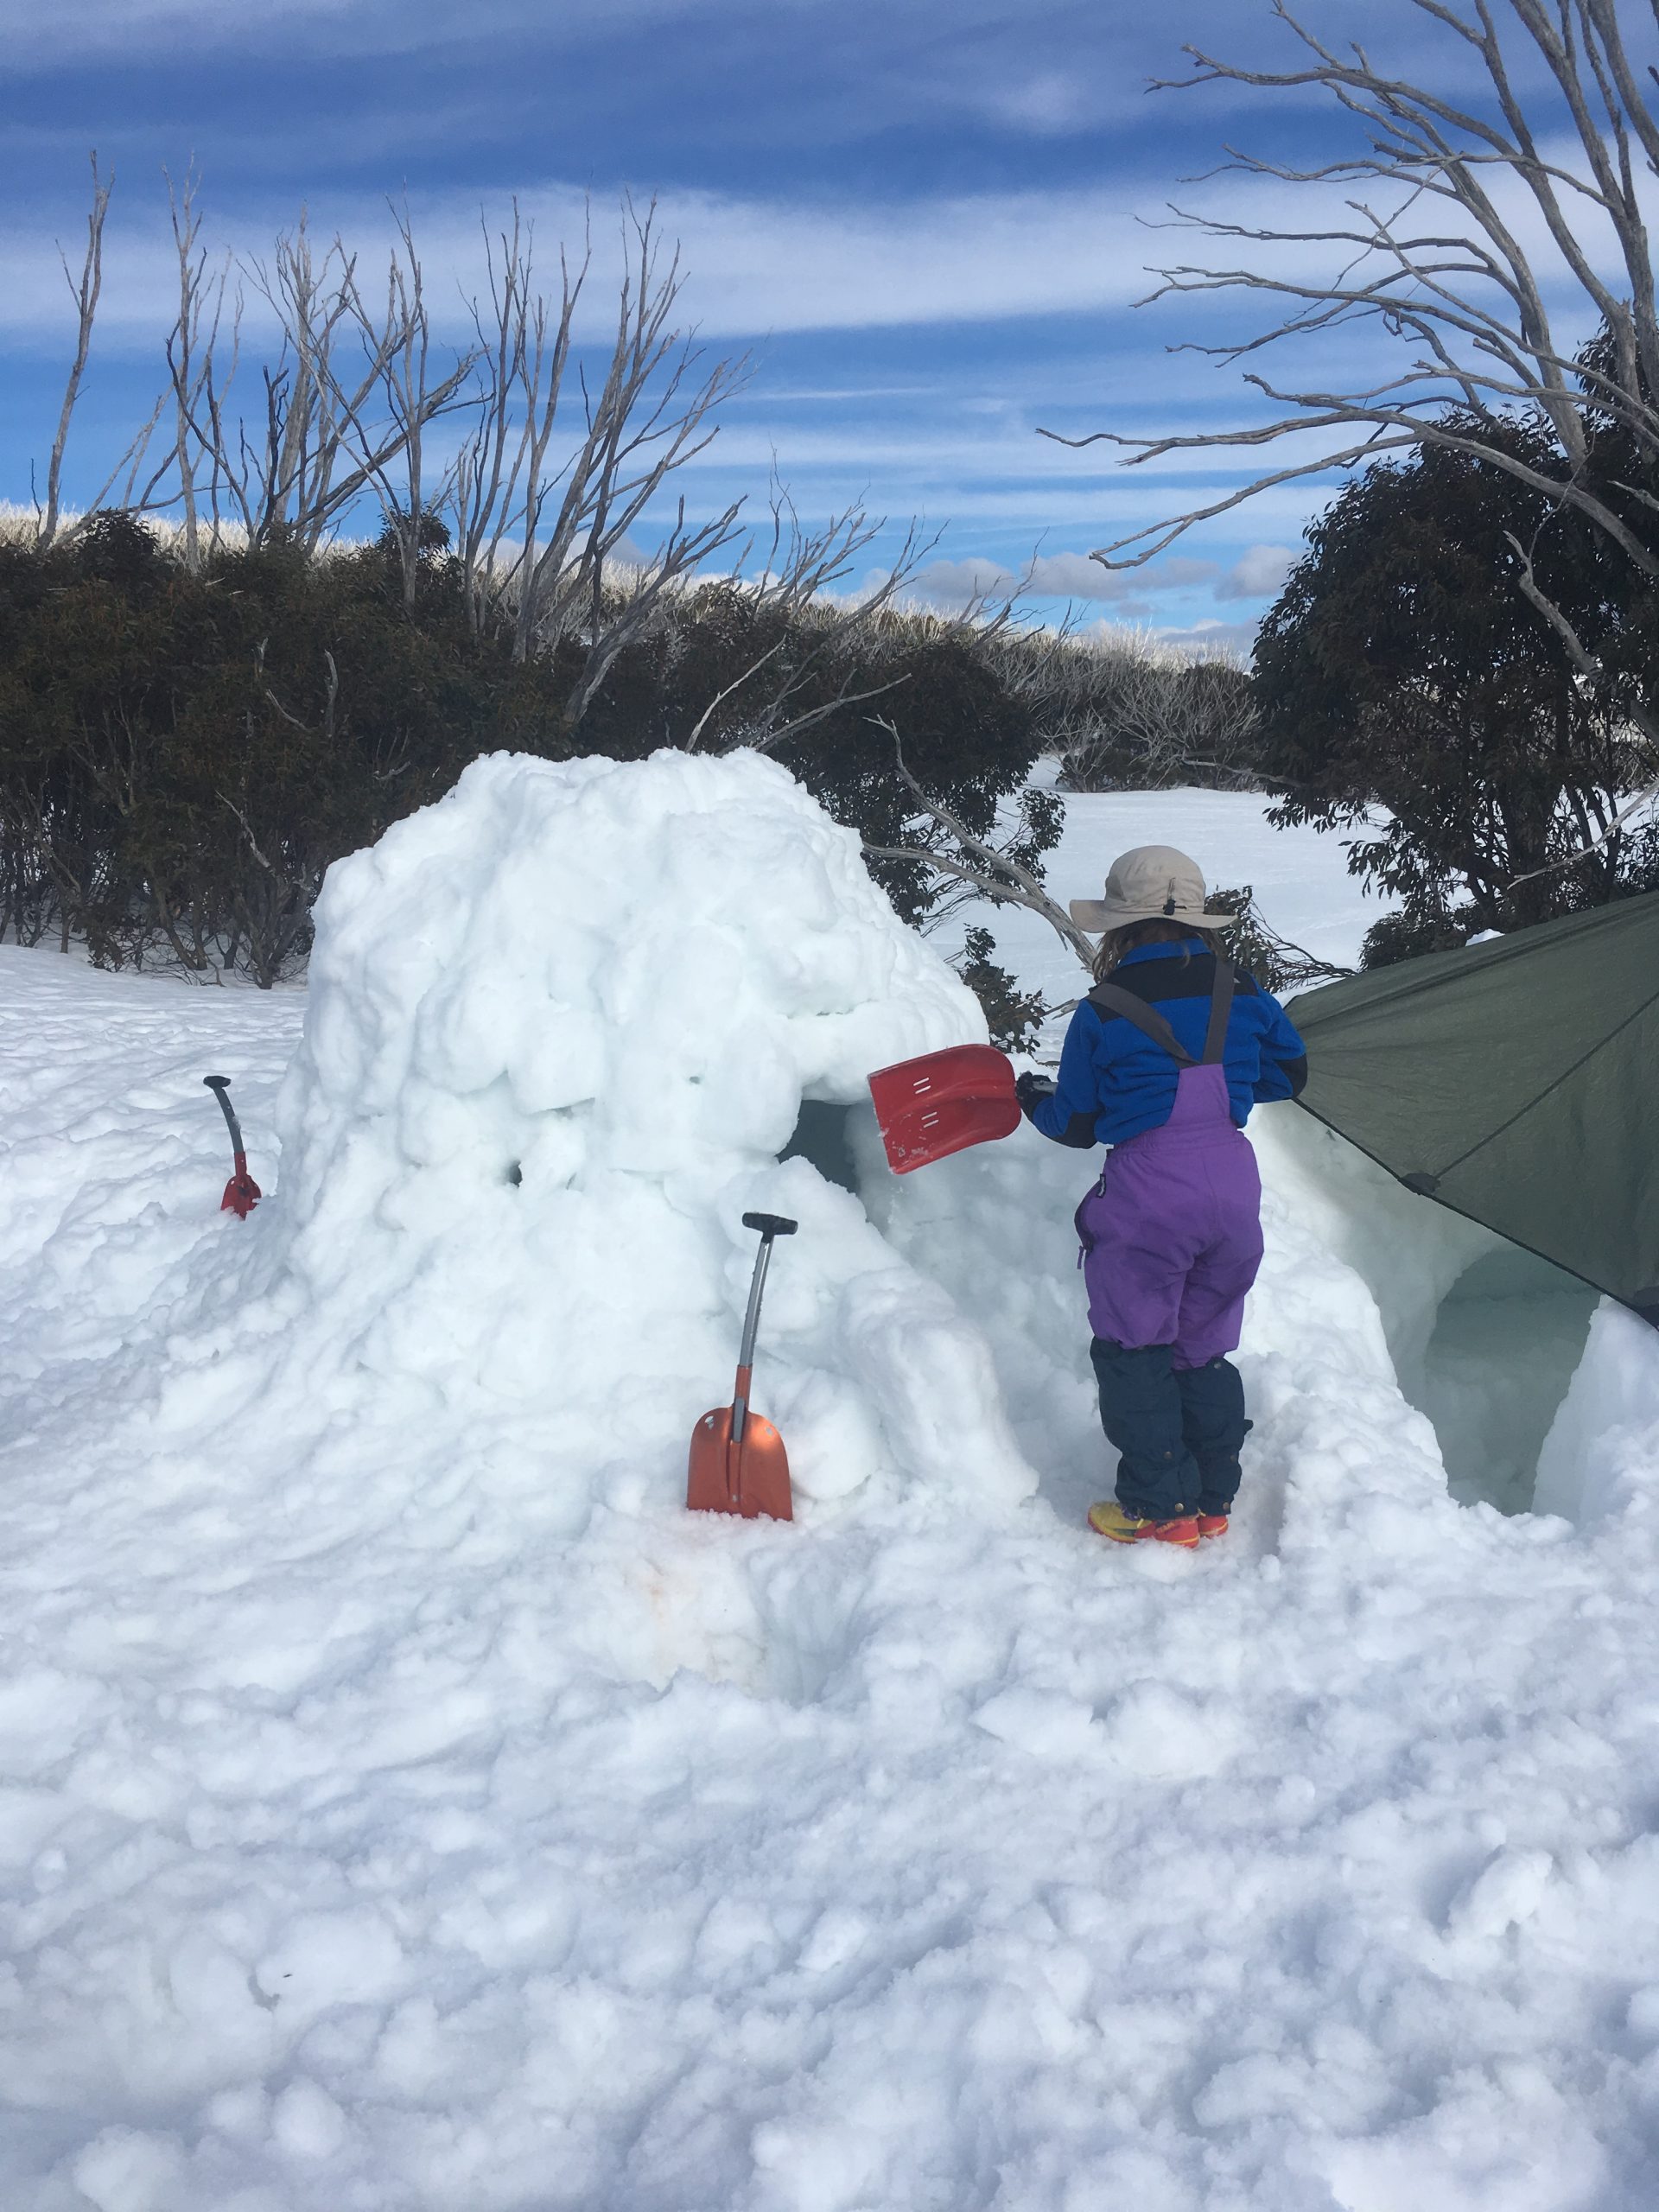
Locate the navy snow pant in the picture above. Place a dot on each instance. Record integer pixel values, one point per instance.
(1178, 1430)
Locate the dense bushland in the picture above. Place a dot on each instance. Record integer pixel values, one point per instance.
(1409, 689)
(183, 751)
(185, 744)
(181, 754)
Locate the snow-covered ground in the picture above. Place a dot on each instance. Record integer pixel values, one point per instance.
(405, 1807)
(1300, 876)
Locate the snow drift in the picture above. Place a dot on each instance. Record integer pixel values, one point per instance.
(560, 1027)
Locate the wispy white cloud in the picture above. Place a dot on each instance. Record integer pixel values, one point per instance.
(1072, 577)
(962, 52)
(754, 266)
(1208, 640)
(1042, 101)
(757, 266)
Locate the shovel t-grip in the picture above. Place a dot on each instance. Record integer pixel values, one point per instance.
(242, 1193)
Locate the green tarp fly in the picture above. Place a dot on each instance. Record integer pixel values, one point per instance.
(1515, 1082)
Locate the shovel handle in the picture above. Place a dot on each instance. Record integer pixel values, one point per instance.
(769, 1225)
(220, 1085)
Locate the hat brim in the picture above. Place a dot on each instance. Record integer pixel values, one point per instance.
(1097, 917)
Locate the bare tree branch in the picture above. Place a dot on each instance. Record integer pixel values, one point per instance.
(1479, 307)
(551, 483)
(190, 346)
(84, 292)
(1473, 297)
(651, 415)
(795, 589)
(524, 347)
(997, 873)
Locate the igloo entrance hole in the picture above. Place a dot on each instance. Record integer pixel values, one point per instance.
(823, 1138)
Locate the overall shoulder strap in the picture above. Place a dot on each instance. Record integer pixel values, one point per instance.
(1221, 1007)
(1112, 999)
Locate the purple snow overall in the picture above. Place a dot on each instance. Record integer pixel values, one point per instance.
(1171, 1241)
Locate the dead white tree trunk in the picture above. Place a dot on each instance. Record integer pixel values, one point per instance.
(326, 440)
(84, 292)
(551, 483)
(651, 415)
(524, 346)
(190, 350)
(401, 342)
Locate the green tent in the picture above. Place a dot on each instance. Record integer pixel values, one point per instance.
(1517, 1083)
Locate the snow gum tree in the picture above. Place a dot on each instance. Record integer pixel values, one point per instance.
(1475, 220)
(1401, 671)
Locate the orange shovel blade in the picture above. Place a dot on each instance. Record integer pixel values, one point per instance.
(750, 1478)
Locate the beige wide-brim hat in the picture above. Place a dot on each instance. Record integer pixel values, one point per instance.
(1153, 883)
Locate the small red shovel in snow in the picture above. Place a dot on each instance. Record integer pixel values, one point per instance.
(928, 1109)
(242, 1193)
(738, 1461)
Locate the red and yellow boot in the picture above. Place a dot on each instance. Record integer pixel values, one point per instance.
(1211, 1524)
(1109, 1519)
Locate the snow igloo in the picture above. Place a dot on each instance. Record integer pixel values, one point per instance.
(562, 1027)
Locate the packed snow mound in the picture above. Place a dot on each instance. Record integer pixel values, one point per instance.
(602, 967)
(560, 1027)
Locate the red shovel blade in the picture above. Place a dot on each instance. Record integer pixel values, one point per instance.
(241, 1195)
(751, 1478)
(942, 1103)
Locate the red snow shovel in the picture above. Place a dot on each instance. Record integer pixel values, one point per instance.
(242, 1193)
(942, 1103)
(738, 1461)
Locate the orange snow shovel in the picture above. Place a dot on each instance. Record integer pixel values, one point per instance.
(738, 1461)
(928, 1109)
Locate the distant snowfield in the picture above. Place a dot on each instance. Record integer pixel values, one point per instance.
(405, 1807)
(1300, 876)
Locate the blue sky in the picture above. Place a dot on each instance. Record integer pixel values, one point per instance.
(923, 218)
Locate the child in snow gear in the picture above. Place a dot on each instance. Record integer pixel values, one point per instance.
(1163, 1061)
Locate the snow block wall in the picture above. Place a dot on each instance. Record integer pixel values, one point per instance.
(560, 1027)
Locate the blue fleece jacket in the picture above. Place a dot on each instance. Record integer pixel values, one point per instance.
(1115, 1082)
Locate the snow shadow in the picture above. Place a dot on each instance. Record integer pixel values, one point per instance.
(822, 1137)
(1506, 1343)
(1484, 1337)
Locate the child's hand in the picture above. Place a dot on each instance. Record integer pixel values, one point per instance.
(1032, 1090)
